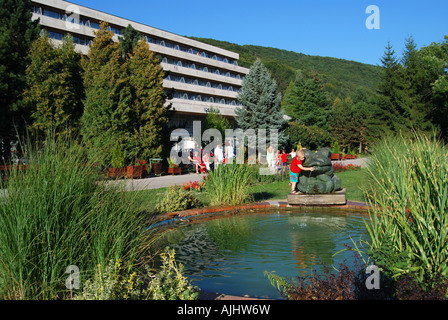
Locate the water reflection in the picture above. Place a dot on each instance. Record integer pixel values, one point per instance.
(230, 255)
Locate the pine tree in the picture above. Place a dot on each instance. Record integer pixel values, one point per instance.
(17, 32)
(306, 101)
(54, 87)
(392, 113)
(260, 103)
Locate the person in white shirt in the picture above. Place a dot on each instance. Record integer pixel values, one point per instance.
(229, 153)
(219, 155)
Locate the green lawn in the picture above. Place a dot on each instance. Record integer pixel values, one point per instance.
(352, 181)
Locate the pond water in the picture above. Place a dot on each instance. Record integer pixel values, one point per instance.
(231, 254)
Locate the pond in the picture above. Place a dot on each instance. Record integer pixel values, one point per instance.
(231, 254)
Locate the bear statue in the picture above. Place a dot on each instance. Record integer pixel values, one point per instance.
(322, 179)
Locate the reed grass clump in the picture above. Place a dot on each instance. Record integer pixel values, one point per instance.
(228, 185)
(56, 214)
(409, 220)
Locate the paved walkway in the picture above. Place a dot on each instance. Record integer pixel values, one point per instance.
(159, 182)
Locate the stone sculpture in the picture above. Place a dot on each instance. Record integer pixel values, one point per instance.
(322, 180)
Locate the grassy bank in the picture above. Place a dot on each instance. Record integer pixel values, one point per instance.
(353, 180)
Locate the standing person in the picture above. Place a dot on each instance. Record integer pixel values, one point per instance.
(219, 155)
(295, 168)
(229, 153)
(270, 156)
(284, 160)
(278, 158)
(292, 154)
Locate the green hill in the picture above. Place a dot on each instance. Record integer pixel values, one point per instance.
(341, 77)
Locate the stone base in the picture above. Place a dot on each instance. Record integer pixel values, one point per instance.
(328, 199)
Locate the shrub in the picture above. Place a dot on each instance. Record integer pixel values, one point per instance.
(120, 283)
(177, 199)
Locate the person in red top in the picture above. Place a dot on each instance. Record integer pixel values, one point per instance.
(295, 168)
(284, 160)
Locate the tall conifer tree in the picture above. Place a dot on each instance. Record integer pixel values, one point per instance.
(54, 87)
(108, 102)
(261, 107)
(146, 77)
(17, 32)
(306, 100)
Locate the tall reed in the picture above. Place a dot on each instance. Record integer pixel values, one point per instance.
(409, 219)
(228, 184)
(56, 214)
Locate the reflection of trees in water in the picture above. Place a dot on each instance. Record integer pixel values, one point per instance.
(312, 241)
(205, 247)
(198, 251)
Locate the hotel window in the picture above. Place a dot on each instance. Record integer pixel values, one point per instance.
(205, 69)
(177, 47)
(208, 84)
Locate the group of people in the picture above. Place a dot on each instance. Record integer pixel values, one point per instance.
(219, 156)
(277, 159)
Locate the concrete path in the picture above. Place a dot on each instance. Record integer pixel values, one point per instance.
(159, 182)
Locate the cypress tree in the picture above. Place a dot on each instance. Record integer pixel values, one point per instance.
(17, 32)
(146, 77)
(54, 87)
(261, 105)
(108, 99)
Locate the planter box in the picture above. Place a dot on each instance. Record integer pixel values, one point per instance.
(336, 156)
(157, 168)
(134, 172)
(116, 173)
(174, 170)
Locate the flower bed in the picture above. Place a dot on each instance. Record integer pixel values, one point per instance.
(340, 167)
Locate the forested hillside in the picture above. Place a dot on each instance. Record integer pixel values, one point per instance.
(340, 77)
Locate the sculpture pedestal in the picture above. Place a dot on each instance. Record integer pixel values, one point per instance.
(328, 199)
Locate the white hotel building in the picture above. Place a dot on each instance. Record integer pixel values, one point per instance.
(200, 75)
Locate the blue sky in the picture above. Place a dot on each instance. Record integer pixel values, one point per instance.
(314, 27)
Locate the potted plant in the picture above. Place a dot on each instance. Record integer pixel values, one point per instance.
(173, 168)
(336, 152)
(117, 163)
